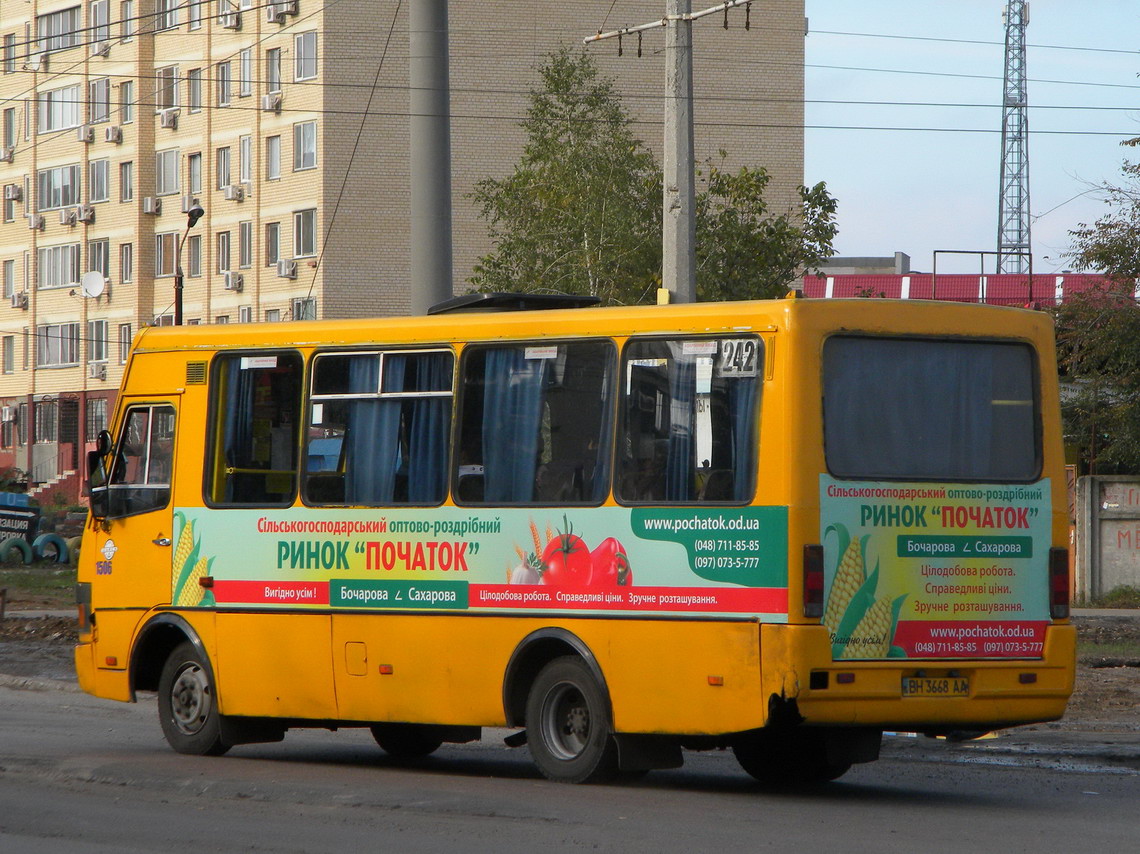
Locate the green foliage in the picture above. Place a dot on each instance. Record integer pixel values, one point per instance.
(582, 211)
(1112, 243)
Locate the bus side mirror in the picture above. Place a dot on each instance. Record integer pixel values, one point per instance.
(97, 475)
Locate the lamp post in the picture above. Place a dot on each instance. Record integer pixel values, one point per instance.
(192, 216)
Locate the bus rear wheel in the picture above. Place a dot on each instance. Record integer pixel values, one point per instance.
(188, 704)
(406, 741)
(789, 758)
(568, 730)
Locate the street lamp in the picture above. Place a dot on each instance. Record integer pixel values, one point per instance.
(194, 214)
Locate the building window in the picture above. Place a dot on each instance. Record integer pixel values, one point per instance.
(223, 254)
(304, 146)
(100, 180)
(60, 109)
(194, 14)
(100, 21)
(166, 14)
(165, 253)
(9, 354)
(245, 159)
(305, 233)
(305, 308)
(245, 72)
(9, 278)
(126, 181)
(46, 418)
(273, 70)
(124, 342)
(57, 344)
(58, 187)
(58, 265)
(59, 30)
(96, 416)
(245, 244)
(127, 20)
(223, 77)
(273, 157)
(245, 314)
(166, 172)
(166, 98)
(272, 243)
(126, 262)
(127, 101)
(100, 94)
(223, 163)
(222, 318)
(194, 255)
(305, 49)
(10, 127)
(10, 53)
(96, 341)
(98, 257)
(194, 171)
(272, 315)
(194, 90)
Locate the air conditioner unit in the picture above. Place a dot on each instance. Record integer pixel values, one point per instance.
(7, 413)
(231, 20)
(187, 202)
(168, 118)
(20, 300)
(271, 103)
(233, 281)
(233, 192)
(274, 14)
(152, 205)
(85, 213)
(289, 7)
(67, 216)
(85, 133)
(287, 268)
(97, 371)
(7, 155)
(101, 49)
(13, 193)
(36, 221)
(113, 134)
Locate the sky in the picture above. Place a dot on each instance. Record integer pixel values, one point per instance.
(917, 179)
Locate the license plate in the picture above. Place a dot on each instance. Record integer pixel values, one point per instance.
(935, 686)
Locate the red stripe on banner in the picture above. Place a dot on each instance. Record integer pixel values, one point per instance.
(971, 638)
(271, 592)
(734, 600)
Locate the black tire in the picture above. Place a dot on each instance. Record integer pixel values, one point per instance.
(188, 704)
(567, 722)
(788, 758)
(406, 741)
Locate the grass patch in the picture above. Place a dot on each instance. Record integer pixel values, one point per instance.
(1124, 649)
(50, 579)
(1124, 596)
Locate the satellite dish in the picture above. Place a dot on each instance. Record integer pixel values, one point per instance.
(92, 284)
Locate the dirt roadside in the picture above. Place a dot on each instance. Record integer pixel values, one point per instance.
(1106, 699)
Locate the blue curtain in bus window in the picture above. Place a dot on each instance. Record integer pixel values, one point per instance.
(238, 437)
(372, 438)
(742, 413)
(512, 416)
(679, 467)
(428, 442)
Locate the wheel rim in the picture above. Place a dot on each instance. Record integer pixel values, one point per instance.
(566, 721)
(190, 701)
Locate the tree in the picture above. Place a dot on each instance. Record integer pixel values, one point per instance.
(1112, 243)
(582, 211)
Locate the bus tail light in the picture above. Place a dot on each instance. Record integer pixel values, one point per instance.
(1059, 583)
(813, 581)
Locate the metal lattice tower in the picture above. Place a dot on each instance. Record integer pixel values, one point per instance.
(1013, 192)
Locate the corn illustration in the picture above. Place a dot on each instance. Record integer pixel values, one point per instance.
(181, 553)
(191, 593)
(872, 636)
(849, 577)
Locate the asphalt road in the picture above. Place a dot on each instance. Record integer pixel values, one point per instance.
(79, 774)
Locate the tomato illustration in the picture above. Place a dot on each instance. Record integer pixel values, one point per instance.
(609, 565)
(566, 561)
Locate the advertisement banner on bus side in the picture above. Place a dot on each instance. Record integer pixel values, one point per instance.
(683, 561)
(926, 570)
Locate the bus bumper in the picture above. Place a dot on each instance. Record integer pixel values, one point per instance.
(995, 693)
(97, 681)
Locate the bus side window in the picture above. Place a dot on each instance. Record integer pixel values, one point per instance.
(255, 439)
(689, 411)
(536, 424)
(380, 427)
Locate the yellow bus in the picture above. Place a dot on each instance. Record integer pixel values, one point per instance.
(780, 527)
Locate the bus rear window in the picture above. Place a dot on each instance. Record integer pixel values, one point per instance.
(922, 409)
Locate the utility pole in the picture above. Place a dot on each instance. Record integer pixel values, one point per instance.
(679, 224)
(430, 134)
(1013, 246)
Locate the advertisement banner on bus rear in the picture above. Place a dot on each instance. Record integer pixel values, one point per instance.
(924, 570)
(604, 560)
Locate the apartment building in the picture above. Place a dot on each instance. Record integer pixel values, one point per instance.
(286, 122)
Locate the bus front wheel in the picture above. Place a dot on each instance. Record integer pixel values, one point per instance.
(188, 704)
(567, 724)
